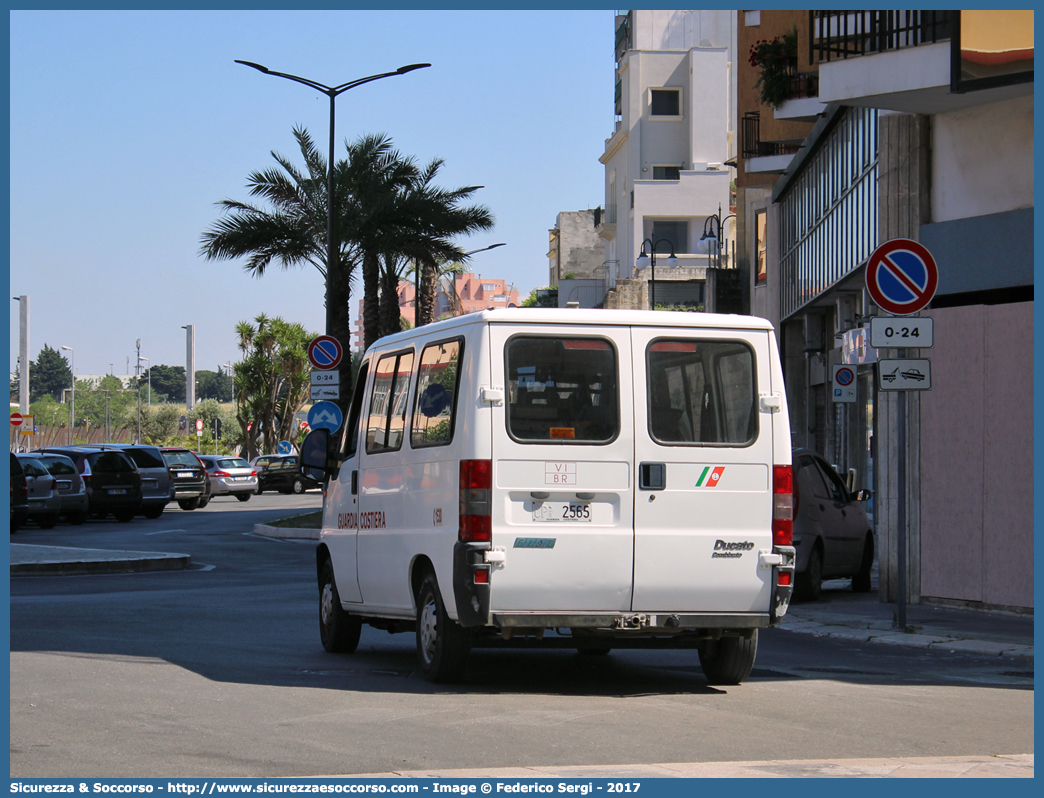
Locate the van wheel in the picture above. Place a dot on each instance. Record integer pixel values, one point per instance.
(189, 504)
(338, 630)
(728, 660)
(861, 580)
(298, 486)
(443, 646)
(810, 583)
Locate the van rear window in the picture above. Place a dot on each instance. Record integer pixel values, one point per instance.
(701, 392)
(562, 390)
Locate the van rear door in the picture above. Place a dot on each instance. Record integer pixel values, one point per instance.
(703, 455)
(563, 488)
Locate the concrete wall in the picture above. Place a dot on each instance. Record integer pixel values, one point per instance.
(581, 251)
(977, 457)
(982, 160)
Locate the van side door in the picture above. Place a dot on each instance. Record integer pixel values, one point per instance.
(703, 453)
(341, 505)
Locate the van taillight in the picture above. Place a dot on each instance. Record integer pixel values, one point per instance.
(782, 505)
(476, 501)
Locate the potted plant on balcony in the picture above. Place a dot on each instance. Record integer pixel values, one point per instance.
(777, 60)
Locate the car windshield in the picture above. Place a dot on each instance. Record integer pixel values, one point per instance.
(233, 462)
(181, 459)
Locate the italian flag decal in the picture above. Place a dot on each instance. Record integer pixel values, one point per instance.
(712, 480)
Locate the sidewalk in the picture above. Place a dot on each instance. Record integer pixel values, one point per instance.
(864, 617)
(28, 560)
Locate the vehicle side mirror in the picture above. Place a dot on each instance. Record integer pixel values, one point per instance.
(315, 456)
(864, 495)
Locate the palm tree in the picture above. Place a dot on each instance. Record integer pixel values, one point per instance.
(292, 230)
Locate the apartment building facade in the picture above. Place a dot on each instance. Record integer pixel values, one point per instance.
(921, 127)
(667, 182)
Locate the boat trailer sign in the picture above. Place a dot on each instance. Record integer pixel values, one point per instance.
(904, 375)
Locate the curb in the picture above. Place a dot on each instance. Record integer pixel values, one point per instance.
(286, 532)
(63, 561)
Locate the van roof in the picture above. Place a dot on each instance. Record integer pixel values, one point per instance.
(586, 316)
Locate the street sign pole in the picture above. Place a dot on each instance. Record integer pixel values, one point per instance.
(901, 509)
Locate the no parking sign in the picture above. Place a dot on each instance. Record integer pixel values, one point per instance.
(844, 384)
(901, 277)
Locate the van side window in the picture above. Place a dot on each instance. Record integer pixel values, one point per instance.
(562, 390)
(387, 420)
(701, 392)
(351, 430)
(434, 412)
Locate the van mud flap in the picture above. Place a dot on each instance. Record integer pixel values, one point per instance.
(472, 599)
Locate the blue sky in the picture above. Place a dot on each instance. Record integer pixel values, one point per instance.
(127, 127)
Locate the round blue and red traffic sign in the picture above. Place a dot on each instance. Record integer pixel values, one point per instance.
(845, 376)
(325, 352)
(901, 277)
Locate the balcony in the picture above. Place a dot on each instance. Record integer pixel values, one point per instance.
(763, 156)
(907, 61)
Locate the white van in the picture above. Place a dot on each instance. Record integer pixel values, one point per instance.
(592, 479)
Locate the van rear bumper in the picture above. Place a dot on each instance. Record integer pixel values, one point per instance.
(649, 623)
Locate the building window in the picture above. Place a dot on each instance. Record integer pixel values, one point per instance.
(677, 233)
(666, 172)
(665, 102)
(761, 244)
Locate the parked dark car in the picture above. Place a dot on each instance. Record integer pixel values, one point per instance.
(156, 487)
(72, 493)
(111, 478)
(282, 474)
(19, 495)
(832, 533)
(187, 475)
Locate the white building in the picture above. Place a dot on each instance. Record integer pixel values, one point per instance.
(665, 164)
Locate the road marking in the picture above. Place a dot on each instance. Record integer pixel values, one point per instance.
(165, 531)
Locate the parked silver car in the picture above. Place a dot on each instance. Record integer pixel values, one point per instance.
(832, 533)
(230, 476)
(72, 493)
(44, 502)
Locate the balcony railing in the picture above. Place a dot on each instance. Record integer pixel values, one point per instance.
(751, 145)
(606, 216)
(837, 35)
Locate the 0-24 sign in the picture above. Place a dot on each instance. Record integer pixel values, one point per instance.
(911, 332)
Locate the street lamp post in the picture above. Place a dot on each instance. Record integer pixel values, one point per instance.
(459, 309)
(148, 371)
(649, 261)
(229, 367)
(713, 234)
(72, 399)
(331, 92)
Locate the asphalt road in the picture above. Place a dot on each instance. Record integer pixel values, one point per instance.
(218, 671)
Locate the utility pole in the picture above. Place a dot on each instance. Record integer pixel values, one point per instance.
(190, 365)
(137, 382)
(23, 353)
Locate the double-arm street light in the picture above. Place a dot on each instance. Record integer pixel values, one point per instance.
(72, 400)
(646, 261)
(713, 234)
(332, 92)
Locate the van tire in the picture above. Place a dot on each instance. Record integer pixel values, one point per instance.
(810, 581)
(728, 660)
(338, 630)
(443, 645)
(861, 580)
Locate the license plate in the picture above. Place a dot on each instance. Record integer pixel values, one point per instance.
(563, 511)
(117, 491)
(185, 474)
